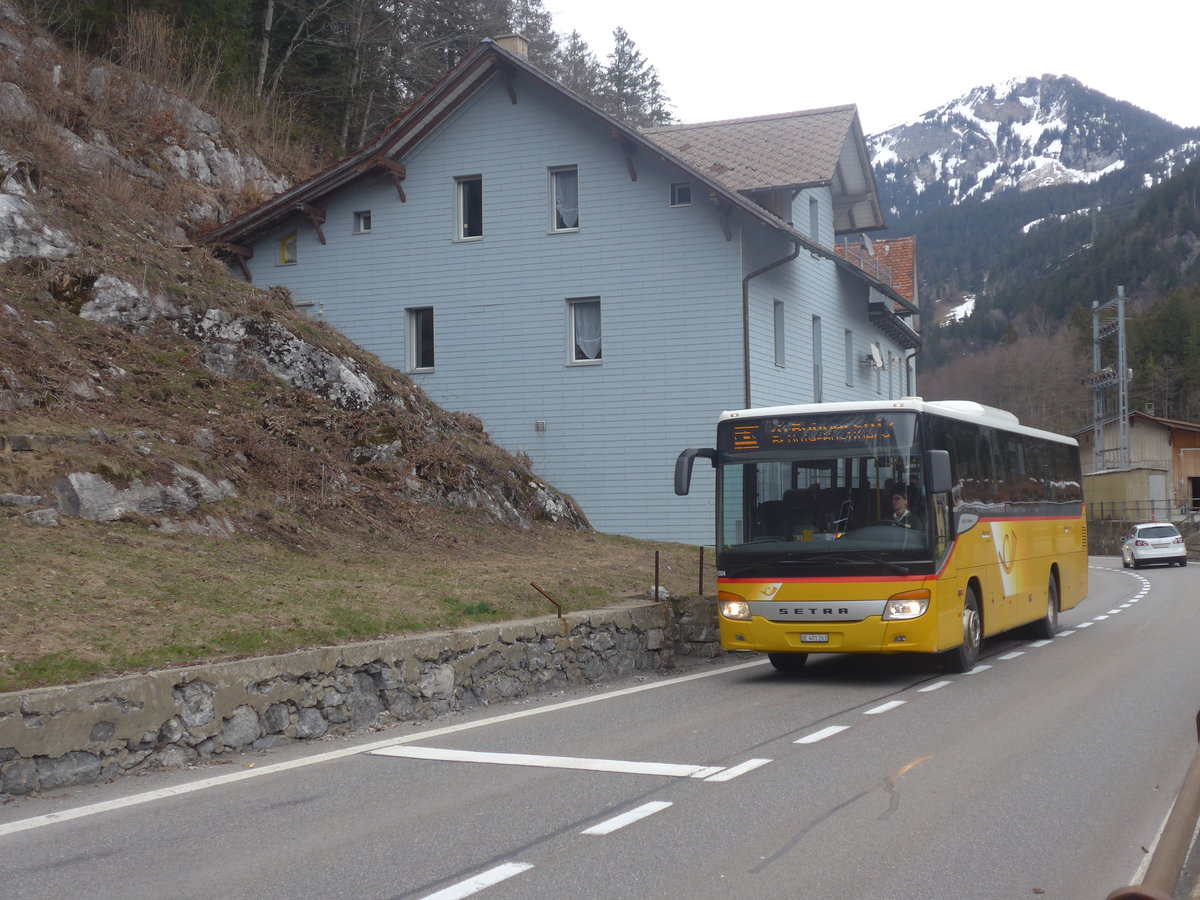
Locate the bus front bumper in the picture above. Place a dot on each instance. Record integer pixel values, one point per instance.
(871, 635)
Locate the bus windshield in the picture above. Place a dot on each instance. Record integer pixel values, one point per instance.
(824, 490)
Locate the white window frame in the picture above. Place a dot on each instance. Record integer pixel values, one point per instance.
(678, 188)
(362, 221)
(415, 321)
(818, 361)
(555, 172)
(779, 323)
(460, 208)
(849, 358)
(574, 355)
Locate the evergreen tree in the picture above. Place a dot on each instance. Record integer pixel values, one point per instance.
(630, 90)
(577, 69)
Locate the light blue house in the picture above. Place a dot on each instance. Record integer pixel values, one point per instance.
(596, 295)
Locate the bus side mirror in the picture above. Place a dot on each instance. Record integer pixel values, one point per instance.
(937, 471)
(683, 467)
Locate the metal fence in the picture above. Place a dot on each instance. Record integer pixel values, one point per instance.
(1141, 511)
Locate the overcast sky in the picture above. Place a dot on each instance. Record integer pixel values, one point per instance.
(894, 60)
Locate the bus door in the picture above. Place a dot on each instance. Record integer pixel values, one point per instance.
(975, 553)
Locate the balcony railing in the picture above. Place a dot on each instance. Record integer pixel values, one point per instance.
(858, 255)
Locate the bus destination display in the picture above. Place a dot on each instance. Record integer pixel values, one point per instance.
(833, 432)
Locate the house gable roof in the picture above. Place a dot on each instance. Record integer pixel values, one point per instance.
(809, 148)
(486, 62)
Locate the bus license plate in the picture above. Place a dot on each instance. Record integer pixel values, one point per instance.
(814, 638)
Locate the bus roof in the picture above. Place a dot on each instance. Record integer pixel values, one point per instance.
(964, 410)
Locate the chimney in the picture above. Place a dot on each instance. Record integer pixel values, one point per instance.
(516, 44)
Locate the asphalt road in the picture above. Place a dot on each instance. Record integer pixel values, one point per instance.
(1045, 772)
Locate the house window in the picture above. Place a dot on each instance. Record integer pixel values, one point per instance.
(780, 347)
(420, 338)
(814, 219)
(470, 207)
(818, 363)
(362, 222)
(564, 199)
(849, 358)
(584, 330)
(681, 193)
(287, 250)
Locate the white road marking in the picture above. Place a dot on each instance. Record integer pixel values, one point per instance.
(1099, 618)
(822, 734)
(619, 766)
(1084, 625)
(1041, 643)
(977, 670)
(242, 774)
(933, 687)
(634, 815)
(1013, 655)
(741, 769)
(704, 773)
(480, 881)
(1065, 633)
(1113, 612)
(886, 707)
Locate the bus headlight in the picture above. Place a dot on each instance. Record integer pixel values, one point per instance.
(908, 605)
(733, 607)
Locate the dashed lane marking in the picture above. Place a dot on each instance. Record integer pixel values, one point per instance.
(628, 818)
(886, 707)
(937, 685)
(822, 734)
(479, 882)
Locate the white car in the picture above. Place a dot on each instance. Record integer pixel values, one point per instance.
(1154, 542)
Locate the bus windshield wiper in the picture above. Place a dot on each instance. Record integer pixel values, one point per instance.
(903, 570)
(822, 559)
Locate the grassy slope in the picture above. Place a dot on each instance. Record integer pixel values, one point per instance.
(326, 548)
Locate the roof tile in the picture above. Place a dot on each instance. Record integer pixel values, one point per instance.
(783, 150)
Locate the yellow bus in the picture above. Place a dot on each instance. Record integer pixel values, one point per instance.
(905, 526)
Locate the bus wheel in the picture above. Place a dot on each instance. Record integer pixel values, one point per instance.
(788, 662)
(964, 657)
(1046, 628)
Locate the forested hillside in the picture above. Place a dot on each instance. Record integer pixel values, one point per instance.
(345, 68)
(1152, 249)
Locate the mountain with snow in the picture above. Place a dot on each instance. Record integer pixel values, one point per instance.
(1023, 135)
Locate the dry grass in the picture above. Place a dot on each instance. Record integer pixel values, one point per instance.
(328, 547)
(87, 600)
(309, 565)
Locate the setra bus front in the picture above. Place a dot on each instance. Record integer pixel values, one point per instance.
(833, 529)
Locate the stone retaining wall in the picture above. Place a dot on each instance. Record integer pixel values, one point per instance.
(56, 737)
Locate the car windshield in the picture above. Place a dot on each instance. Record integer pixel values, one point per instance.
(1157, 531)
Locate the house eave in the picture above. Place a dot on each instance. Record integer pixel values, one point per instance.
(886, 320)
(486, 61)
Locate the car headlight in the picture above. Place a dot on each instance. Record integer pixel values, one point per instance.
(733, 607)
(909, 605)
